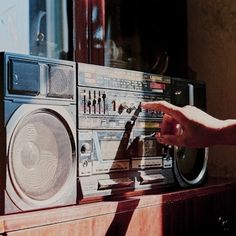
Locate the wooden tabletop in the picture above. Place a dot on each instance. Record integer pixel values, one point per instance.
(38, 218)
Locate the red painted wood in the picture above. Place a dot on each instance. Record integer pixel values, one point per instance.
(97, 37)
(81, 30)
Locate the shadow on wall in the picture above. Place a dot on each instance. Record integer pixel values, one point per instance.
(212, 53)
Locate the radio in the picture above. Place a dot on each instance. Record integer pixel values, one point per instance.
(117, 150)
(71, 133)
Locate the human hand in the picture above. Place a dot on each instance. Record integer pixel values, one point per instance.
(185, 126)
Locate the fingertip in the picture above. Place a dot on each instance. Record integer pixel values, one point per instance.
(143, 104)
(159, 138)
(149, 105)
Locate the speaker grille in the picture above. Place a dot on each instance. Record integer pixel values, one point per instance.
(191, 163)
(61, 82)
(41, 155)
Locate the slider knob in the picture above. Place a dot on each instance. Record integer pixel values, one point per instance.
(89, 103)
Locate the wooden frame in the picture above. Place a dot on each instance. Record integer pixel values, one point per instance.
(89, 25)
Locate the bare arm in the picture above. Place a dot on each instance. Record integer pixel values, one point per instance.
(191, 127)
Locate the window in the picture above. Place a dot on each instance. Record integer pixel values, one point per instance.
(37, 27)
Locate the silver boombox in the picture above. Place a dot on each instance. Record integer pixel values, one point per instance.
(117, 149)
(73, 132)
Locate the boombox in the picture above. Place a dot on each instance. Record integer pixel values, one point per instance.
(73, 133)
(38, 133)
(117, 151)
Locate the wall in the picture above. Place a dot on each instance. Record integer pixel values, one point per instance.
(212, 55)
(14, 26)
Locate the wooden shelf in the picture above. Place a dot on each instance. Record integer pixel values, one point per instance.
(170, 213)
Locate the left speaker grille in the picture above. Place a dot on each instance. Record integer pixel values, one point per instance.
(41, 156)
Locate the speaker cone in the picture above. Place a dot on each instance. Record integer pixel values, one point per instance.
(41, 155)
(190, 165)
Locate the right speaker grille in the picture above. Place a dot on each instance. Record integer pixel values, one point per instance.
(190, 164)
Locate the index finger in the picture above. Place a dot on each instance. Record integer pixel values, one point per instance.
(165, 107)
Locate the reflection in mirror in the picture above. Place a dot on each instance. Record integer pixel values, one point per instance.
(49, 28)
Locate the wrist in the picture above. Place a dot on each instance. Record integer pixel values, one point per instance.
(226, 133)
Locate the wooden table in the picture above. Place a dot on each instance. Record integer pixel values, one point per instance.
(206, 210)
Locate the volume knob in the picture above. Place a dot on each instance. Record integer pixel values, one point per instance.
(85, 147)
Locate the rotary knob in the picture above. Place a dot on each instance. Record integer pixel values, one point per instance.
(122, 107)
(85, 147)
(129, 110)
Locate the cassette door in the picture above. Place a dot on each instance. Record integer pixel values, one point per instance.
(38, 127)
(190, 164)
